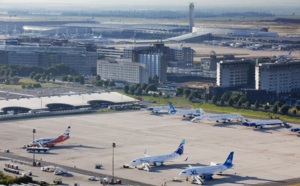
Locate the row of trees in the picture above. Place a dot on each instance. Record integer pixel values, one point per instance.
(77, 78)
(237, 99)
(190, 94)
(106, 83)
(140, 89)
(25, 71)
(9, 180)
(40, 76)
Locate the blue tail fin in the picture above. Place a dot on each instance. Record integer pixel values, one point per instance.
(180, 148)
(172, 110)
(228, 162)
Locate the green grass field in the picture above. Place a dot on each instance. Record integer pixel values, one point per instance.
(28, 81)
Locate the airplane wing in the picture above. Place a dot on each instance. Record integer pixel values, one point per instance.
(268, 122)
(221, 116)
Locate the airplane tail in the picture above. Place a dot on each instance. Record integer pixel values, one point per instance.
(180, 148)
(172, 110)
(228, 162)
(200, 112)
(67, 132)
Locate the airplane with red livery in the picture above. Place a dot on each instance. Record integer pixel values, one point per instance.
(52, 141)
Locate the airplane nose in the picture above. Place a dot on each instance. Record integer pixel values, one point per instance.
(132, 163)
(182, 173)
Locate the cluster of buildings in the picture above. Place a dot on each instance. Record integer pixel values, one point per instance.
(260, 79)
(279, 77)
(77, 58)
(140, 63)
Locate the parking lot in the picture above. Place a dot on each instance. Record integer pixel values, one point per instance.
(261, 155)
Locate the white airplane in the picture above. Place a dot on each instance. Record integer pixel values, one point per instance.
(185, 112)
(255, 47)
(158, 109)
(158, 160)
(293, 129)
(285, 56)
(263, 123)
(50, 142)
(60, 171)
(219, 117)
(199, 174)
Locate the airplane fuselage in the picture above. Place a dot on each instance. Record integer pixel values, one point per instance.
(223, 117)
(49, 142)
(154, 159)
(206, 170)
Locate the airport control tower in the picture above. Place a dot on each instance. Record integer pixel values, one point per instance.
(191, 16)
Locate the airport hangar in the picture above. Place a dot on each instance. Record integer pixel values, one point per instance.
(65, 102)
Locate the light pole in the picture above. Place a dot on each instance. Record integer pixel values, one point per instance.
(33, 154)
(113, 163)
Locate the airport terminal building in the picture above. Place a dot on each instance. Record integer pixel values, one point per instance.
(232, 31)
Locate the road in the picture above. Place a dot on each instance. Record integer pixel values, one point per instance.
(71, 169)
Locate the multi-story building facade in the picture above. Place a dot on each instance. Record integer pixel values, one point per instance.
(111, 52)
(122, 70)
(75, 57)
(156, 65)
(278, 77)
(182, 56)
(156, 57)
(237, 73)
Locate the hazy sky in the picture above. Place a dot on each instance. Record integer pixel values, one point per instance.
(162, 2)
(271, 6)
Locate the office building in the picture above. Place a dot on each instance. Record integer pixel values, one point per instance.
(281, 77)
(111, 52)
(42, 56)
(156, 64)
(123, 70)
(180, 56)
(235, 73)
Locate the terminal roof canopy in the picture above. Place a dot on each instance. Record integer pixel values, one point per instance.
(76, 100)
